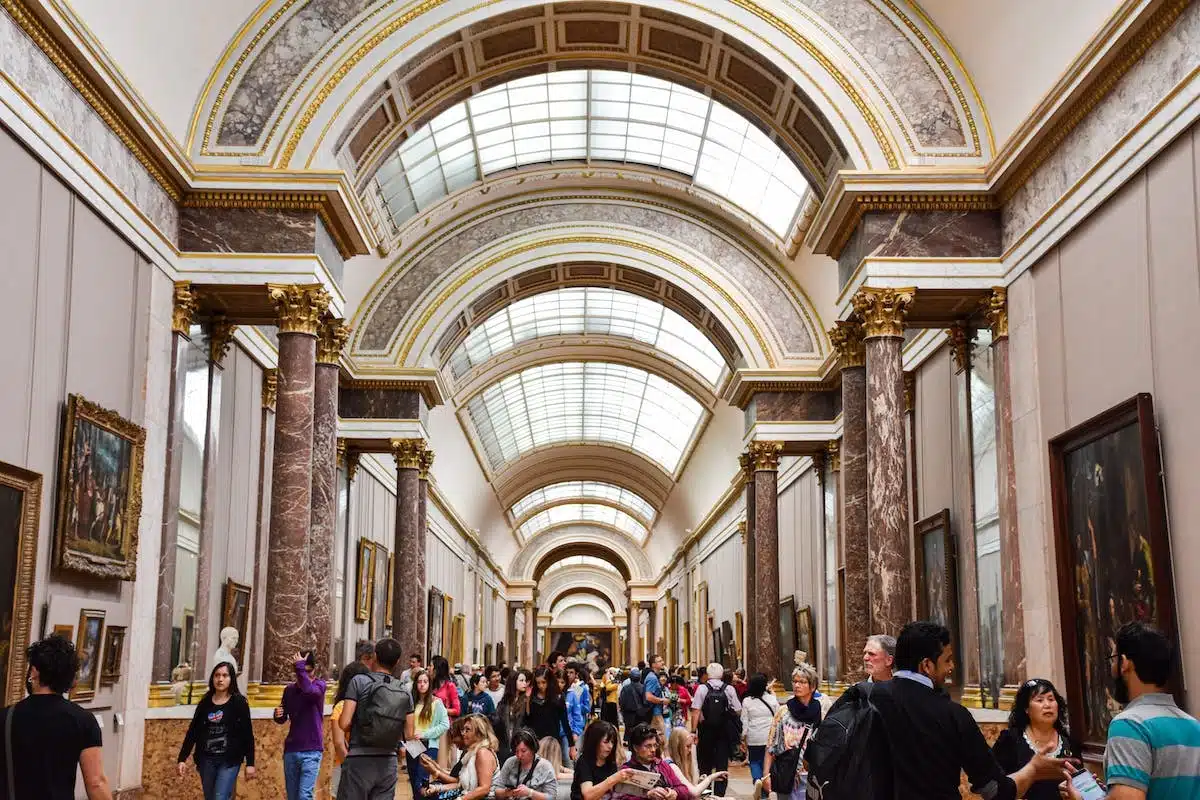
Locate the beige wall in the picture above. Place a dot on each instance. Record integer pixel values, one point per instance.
(1113, 310)
(801, 563)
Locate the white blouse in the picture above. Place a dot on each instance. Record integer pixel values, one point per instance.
(756, 717)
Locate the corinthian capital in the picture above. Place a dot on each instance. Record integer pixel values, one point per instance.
(270, 388)
(184, 308)
(765, 455)
(299, 308)
(847, 339)
(424, 464)
(220, 336)
(408, 452)
(961, 335)
(834, 448)
(331, 338)
(883, 311)
(996, 309)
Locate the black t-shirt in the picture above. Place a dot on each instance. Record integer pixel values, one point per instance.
(586, 771)
(49, 732)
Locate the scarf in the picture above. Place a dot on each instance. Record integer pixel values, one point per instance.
(799, 711)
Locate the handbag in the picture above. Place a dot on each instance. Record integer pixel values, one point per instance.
(783, 771)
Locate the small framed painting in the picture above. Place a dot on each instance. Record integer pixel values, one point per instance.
(88, 640)
(366, 568)
(787, 638)
(65, 631)
(114, 651)
(806, 636)
(236, 614)
(391, 581)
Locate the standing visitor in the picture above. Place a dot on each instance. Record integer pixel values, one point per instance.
(548, 709)
(478, 700)
(1038, 719)
(643, 741)
(610, 686)
(48, 735)
(414, 663)
(715, 720)
(681, 702)
(341, 745)
(655, 696)
(879, 654)
(377, 715)
(431, 723)
(681, 755)
(303, 704)
(740, 686)
(364, 651)
(632, 702)
(596, 773)
(221, 734)
(495, 685)
(790, 729)
(514, 708)
(758, 716)
(526, 775)
(579, 700)
(556, 661)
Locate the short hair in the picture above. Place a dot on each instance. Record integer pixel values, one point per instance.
(757, 685)
(885, 643)
(919, 641)
(640, 733)
(420, 659)
(809, 673)
(475, 679)
(554, 656)
(526, 737)
(650, 659)
(363, 648)
(1150, 651)
(56, 662)
(490, 670)
(715, 671)
(387, 653)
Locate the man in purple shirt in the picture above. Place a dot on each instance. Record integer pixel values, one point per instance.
(304, 704)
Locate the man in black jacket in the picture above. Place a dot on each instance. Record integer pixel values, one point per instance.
(931, 738)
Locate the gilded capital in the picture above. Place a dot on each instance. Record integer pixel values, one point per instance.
(424, 464)
(341, 452)
(910, 391)
(961, 335)
(299, 308)
(742, 530)
(847, 339)
(351, 464)
(331, 338)
(883, 311)
(270, 388)
(184, 308)
(834, 448)
(746, 462)
(407, 452)
(765, 455)
(995, 307)
(220, 336)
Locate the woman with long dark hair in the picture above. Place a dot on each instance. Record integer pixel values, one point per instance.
(758, 713)
(596, 772)
(1038, 719)
(221, 734)
(548, 709)
(514, 707)
(431, 723)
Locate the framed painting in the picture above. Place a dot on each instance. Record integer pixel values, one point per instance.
(1112, 549)
(446, 641)
(687, 642)
(716, 643)
(728, 646)
(235, 613)
(391, 582)
(710, 625)
(739, 641)
(787, 638)
(499, 653)
(806, 636)
(99, 492)
(362, 589)
(88, 637)
(437, 612)
(65, 631)
(20, 508)
(458, 639)
(379, 593)
(935, 566)
(114, 652)
(187, 639)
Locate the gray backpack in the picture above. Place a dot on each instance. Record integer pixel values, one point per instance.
(381, 713)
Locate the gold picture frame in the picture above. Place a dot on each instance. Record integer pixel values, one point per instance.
(235, 613)
(364, 574)
(739, 642)
(114, 651)
(687, 642)
(447, 619)
(391, 581)
(65, 631)
(20, 511)
(89, 637)
(99, 492)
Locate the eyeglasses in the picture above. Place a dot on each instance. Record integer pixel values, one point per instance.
(1111, 656)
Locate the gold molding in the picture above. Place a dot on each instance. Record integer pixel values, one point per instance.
(409, 453)
(352, 459)
(847, 339)
(995, 308)
(270, 388)
(331, 338)
(340, 457)
(960, 335)
(318, 202)
(220, 336)
(184, 307)
(765, 455)
(834, 448)
(299, 307)
(883, 311)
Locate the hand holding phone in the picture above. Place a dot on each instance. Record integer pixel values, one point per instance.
(1084, 782)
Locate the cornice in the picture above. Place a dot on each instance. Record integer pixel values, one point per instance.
(747, 383)
(330, 207)
(429, 385)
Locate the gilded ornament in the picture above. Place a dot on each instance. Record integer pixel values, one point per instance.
(742, 530)
(331, 338)
(184, 308)
(341, 452)
(299, 308)
(847, 339)
(746, 462)
(883, 311)
(834, 448)
(995, 307)
(407, 452)
(961, 335)
(220, 336)
(424, 464)
(352, 464)
(270, 388)
(910, 391)
(765, 455)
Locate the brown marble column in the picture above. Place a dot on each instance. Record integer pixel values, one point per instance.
(1006, 469)
(408, 592)
(300, 309)
(766, 553)
(181, 323)
(747, 476)
(847, 339)
(889, 563)
(331, 336)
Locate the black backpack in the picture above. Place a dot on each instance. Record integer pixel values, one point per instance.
(381, 711)
(848, 756)
(717, 715)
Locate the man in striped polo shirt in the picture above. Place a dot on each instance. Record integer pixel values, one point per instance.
(1153, 746)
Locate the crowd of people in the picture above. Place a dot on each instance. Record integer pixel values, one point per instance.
(560, 732)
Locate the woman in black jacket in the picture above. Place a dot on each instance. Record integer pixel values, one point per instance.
(221, 734)
(512, 711)
(1038, 718)
(548, 708)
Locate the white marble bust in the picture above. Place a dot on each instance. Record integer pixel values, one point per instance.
(229, 640)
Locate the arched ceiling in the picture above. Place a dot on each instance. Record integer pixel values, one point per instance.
(540, 553)
(574, 595)
(567, 576)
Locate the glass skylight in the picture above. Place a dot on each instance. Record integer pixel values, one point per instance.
(582, 561)
(582, 512)
(584, 402)
(583, 115)
(595, 310)
(569, 490)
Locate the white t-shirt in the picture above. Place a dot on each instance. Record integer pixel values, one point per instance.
(497, 695)
(757, 716)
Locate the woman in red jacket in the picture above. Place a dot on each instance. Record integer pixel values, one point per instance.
(445, 690)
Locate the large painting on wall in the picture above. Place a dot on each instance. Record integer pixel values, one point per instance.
(787, 639)
(379, 593)
(935, 567)
(362, 589)
(1114, 558)
(437, 610)
(806, 636)
(99, 492)
(20, 505)
(589, 647)
(235, 613)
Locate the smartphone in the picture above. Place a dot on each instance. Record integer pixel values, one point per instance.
(1085, 783)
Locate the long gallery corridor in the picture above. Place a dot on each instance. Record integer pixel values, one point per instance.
(731, 333)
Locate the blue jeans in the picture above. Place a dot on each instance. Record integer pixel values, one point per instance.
(218, 779)
(416, 773)
(757, 754)
(300, 774)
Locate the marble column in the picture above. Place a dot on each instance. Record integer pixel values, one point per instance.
(181, 323)
(299, 309)
(331, 336)
(847, 339)
(889, 562)
(765, 456)
(408, 591)
(747, 466)
(1010, 554)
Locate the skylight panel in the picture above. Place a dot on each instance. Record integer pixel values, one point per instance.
(582, 561)
(593, 490)
(582, 513)
(598, 115)
(594, 310)
(584, 402)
